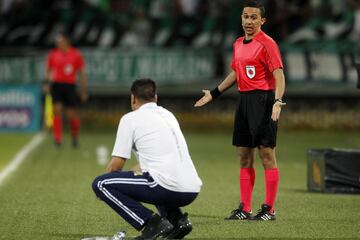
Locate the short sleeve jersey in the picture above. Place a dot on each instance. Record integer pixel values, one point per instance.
(65, 65)
(254, 62)
(155, 137)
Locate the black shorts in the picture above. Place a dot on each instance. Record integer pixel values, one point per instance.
(253, 126)
(64, 93)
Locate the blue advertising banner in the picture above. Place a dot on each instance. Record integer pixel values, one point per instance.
(20, 108)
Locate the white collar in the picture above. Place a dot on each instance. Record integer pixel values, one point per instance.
(148, 105)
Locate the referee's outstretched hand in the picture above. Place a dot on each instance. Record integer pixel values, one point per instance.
(276, 110)
(204, 100)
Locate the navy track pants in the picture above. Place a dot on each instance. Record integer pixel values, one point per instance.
(123, 192)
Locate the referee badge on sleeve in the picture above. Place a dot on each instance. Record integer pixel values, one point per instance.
(250, 71)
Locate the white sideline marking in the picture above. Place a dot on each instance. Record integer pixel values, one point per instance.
(21, 155)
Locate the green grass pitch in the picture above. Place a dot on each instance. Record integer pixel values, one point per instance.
(10, 144)
(50, 195)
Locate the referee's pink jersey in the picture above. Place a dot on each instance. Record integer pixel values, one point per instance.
(254, 62)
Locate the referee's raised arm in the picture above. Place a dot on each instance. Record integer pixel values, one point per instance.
(210, 95)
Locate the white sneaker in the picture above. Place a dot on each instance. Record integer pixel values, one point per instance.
(119, 236)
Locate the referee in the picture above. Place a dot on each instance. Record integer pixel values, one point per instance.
(258, 70)
(63, 64)
(168, 178)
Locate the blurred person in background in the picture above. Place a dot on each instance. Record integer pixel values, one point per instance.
(166, 176)
(63, 64)
(187, 22)
(139, 32)
(286, 17)
(258, 70)
(161, 17)
(355, 33)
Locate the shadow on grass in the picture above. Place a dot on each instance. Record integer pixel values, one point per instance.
(305, 191)
(296, 190)
(75, 235)
(81, 236)
(204, 216)
(259, 238)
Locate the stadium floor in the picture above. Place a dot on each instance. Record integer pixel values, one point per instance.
(50, 196)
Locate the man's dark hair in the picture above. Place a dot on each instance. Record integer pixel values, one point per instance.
(255, 4)
(144, 89)
(65, 35)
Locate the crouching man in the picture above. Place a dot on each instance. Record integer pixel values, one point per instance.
(168, 178)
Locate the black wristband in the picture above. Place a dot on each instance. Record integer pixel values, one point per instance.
(215, 93)
(278, 100)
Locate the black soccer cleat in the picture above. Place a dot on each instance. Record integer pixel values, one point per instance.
(264, 214)
(182, 227)
(156, 227)
(239, 214)
(75, 142)
(57, 144)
